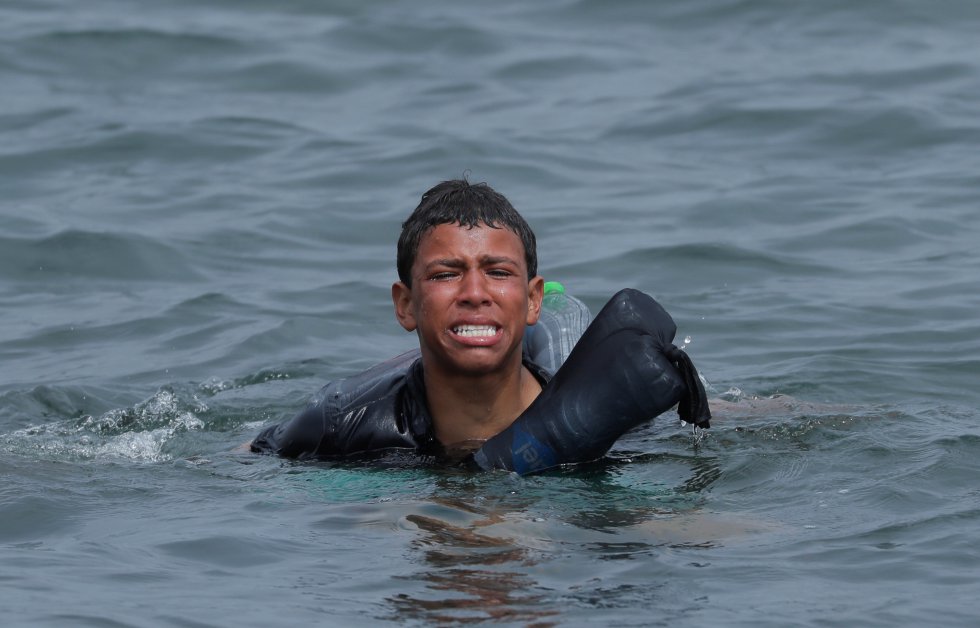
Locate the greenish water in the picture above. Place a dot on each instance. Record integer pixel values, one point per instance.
(198, 210)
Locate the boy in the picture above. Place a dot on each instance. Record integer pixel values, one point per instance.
(468, 286)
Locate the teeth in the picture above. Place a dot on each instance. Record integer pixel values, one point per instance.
(475, 330)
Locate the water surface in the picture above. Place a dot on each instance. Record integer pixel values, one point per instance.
(198, 209)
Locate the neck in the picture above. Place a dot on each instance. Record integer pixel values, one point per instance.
(467, 410)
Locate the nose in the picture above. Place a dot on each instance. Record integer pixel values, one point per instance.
(473, 290)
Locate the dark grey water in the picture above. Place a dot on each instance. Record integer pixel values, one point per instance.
(198, 208)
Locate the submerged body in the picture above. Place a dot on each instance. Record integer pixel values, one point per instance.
(623, 371)
(468, 287)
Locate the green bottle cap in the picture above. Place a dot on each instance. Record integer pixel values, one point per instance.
(553, 287)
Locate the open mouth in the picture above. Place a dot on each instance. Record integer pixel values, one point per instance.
(475, 331)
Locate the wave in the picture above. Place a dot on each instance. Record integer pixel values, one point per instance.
(179, 421)
(141, 433)
(78, 254)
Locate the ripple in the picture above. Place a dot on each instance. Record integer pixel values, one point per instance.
(113, 53)
(291, 76)
(93, 255)
(26, 121)
(899, 78)
(551, 68)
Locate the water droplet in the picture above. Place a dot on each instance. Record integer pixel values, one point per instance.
(699, 435)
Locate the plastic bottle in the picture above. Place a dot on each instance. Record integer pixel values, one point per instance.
(562, 321)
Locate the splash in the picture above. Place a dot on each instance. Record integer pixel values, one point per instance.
(140, 433)
(699, 435)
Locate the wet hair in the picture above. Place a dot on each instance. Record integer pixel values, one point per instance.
(468, 205)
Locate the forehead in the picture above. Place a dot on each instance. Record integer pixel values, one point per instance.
(458, 241)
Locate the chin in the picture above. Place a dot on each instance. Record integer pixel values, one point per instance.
(478, 363)
(478, 367)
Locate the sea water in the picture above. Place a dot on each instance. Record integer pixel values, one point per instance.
(198, 208)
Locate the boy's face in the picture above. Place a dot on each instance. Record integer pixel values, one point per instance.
(470, 299)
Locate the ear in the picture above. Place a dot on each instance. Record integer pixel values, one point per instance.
(401, 297)
(535, 295)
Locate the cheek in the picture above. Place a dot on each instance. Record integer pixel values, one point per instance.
(421, 309)
(427, 308)
(518, 300)
(437, 295)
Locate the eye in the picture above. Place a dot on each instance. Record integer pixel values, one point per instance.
(443, 276)
(499, 273)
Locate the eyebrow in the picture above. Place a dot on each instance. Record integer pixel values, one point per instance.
(486, 260)
(498, 259)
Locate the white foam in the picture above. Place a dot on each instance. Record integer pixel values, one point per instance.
(140, 433)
